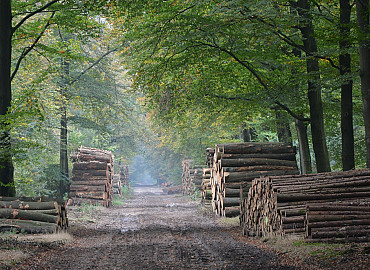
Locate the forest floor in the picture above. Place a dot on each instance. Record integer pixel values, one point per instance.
(152, 230)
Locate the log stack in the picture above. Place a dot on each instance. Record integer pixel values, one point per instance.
(338, 222)
(277, 205)
(206, 186)
(125, 176)
(32, 215)
(92, 176)
(235, 165)
(210, 152)
(185, 177)
(192, 177)
(117, 184)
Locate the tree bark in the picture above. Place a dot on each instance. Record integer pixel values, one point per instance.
(304, 147)
(6, 165)
(242, 162)
(63, 186)
(348, 152)
(246, 135)
(27, 215)
(362, 10)
(27, 226)
(314, 88)
(283, 127)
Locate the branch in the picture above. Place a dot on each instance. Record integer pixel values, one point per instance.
(291, 42)
(243, 63)
(32, 14)
(229, 97)
(47, 59)
(319, 8)
(29, 49)
(289, 111)
(167, 22)
(260, 80)
(92, 65)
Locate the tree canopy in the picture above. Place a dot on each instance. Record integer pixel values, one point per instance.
(167, 79)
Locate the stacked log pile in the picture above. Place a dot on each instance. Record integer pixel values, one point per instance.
(210, 152)
(192, 177)
(236, 165)
(206, 186)
(338, 222)
(92, 176)
(277, 205)
(32, 215)
(185, 177)
(117, 184)
(172, 189)
(125, 175)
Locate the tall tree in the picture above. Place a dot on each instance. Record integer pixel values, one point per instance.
(362, 11)
(63, 150)
(6, 76)
(348, 152)
(283, 127)
(314, 86)
(6, 165)
(304, 147)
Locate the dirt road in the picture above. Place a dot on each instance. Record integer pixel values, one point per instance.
(153, 231)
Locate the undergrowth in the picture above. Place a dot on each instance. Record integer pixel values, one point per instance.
(127, 193)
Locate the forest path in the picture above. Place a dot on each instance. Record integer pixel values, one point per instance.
(154, 231)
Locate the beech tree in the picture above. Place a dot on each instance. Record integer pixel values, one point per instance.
(26, 23)
(363, 17)
(250, 45)
(7, 30)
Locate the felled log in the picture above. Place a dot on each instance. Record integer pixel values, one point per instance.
(298, 197)
(88, 174)
(231, 212)
(230, 177)
(95, 182)
(87, 188)
(260, 168)
(241, 162)
(23, 205)
(253, 148)
(27, 215)
(92, 165)
(27, 226)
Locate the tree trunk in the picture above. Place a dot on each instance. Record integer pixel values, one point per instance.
(6, 164)
(348, 152)
(283, 127)
(304, 147)
(314, 88)
(362, 10)
(63, 186)
(246, 134)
